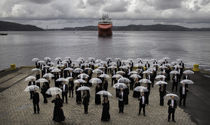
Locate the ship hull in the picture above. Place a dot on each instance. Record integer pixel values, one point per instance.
(104, 30)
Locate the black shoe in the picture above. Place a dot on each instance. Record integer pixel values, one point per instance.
(38, 112)
(173, 121)
(168, 120)
(34, 112)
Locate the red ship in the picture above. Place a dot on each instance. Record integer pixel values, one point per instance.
(105, 26)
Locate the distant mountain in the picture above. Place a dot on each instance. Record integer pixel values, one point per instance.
(156, 27)
(10, 26)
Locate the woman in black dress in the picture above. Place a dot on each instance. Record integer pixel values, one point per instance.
(105, 112)
(58, 114)
(98, 97)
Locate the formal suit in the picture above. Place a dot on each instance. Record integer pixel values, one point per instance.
(172, 104)
(175, 83)
(65, 92)
(142, 104)
(162, 92)
(121, 102)
(36, 102)
(86, 103)
(31, 92)
(183, 95)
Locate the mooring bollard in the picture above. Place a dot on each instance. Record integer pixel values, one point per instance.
(12, 66)
(196, 67)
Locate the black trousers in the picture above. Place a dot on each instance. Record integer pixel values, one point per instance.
(182, 98)
(121, 106)
(171, 112)
(64, 95)
(174, 85)
(141, 107)
(36, 107)
(71, 93)
(85, 108)
(31, 94)
(45, 97)
(161, 100)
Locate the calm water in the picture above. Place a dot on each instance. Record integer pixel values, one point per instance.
(21, 47)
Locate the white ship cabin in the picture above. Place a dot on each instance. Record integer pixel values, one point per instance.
(105, 19)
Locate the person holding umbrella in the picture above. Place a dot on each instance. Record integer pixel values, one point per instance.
(175, 82)
(31, 92)
(183, 94)
(78, 94)
(142, 103)
(86, 98)
(36, 101)
(172, 105)
(58, 114)
(65, 92)
(105, 112)
(121, 100)
(97, 97)
(162, 91)
(126, 93)
(71, 88)
(44, 90)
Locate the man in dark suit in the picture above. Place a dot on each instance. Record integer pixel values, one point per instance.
(121, 100)
(65, 89)
(36, 102)
(86, 99)
(175, 82)
(172, 104)
(162, 92)
(183, 94)
(142, 103)
(31, 92)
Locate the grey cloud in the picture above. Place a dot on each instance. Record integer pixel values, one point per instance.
(165, 4)
(40, 1)
(116, 6)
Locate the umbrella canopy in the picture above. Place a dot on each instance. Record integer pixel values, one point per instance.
(79, 81)
(124, 67)
(104, 76)
(54, 91)
(36, 70)
(61, 80)
(78, 70)
(162, 67)
(120, 72)
(160, 77)
(124, 80)
(140, 89)
(41, 80)
(174, 72)
(48, 75)
(83, 75)
(147, 72)
(134, 76)
(133, 72)
(138, 65)
(47, 58)
(171, 94)
(160, 83)
(35, 59)
(104, 93)
(41, 62)
(97, 71)
(69, 69)
(177, 66)
(55, 70)
(145, 81)
(117, 76)
(58, 59)
(112, 67)
(30, 78)
(83, 88)
(188, 72)
(69, 78)
(120, 85)
(186, 81)
(31, 88)
(95, 81)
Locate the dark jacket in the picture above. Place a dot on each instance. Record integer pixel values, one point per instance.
(36, 98)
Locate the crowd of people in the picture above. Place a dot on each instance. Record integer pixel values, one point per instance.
(138, 76)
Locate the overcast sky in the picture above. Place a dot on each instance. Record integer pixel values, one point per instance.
(71, 13)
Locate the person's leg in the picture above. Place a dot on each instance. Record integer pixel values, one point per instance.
(184, 100)
(172, 87)
(66, 97)
(144, 110)
(122, 107)
(38, 107)
(140, 110)
(180, 101)
(169, 116)
(34, 108)
(173, 115)
(63, 96)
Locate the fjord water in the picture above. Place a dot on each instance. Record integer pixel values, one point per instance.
(20, 47)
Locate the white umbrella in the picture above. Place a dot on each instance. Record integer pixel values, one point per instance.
(138, 65)
(147, 72)
(177, 66)
(47, 58)
(120, 85)
(120, 72)
(188, 72)
(83, 75)
(117, 59)
(117, 76)
(36, 70)
(162, 67)
(124, 67)
(30, 78)
(48, 75)
(160, 82)
(41, 62)
(135, 76)
(35, 59)
(97, 71)
(61, 80)
(68, 69)
(105, 93)
(186, 81)
(41, 80)
(133, 72)
(112, 67)
(58, 59)
(95, 81)
(174, 72)
(124, 80)
(78, 70)
(171, 94)
(104, 76)
(69, 78)
(160, 77)
(54, 91)
(145, 81)
(79, 81)
(83, 88)
(55, 70)
(141, 89)
(31, 88)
